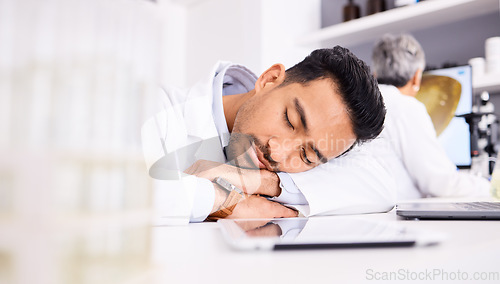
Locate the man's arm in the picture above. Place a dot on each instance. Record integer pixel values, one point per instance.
(425, 159)
(261, 182)
(356, 183)
(253, 206)
(253, 182)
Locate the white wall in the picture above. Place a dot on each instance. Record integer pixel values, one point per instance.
(283, 21)
(255, 33)
(174, 42)
(222, 30)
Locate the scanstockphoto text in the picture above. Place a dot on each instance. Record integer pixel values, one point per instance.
(434, 274)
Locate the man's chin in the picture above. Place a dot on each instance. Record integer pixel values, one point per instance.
(239, 150)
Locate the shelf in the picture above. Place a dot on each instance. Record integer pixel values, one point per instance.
(489, 83)
(404, 19)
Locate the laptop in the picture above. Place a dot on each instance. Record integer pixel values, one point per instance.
(333, 232)
(485, 210)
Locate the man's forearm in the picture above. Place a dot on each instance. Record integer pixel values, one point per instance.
(250, 180)
(269, 183)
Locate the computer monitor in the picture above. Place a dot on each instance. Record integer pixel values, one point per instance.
(456, 137)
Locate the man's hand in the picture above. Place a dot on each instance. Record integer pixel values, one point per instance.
(251, 181)
(255, 206)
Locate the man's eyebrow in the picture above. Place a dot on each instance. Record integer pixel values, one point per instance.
(302, 114)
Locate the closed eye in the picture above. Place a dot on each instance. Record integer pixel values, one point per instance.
(287, 120)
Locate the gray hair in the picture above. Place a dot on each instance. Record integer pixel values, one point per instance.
(395, 59)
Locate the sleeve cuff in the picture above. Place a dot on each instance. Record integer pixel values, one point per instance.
(203, 201)
(172, 203)
(290, 193)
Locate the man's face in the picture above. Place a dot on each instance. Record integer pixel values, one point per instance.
(291, 128)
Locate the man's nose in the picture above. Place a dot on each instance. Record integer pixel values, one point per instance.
(280, 149)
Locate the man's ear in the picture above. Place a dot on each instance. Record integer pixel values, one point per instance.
(273, 76)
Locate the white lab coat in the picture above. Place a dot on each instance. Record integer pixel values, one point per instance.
(354, 183)
(409, 146)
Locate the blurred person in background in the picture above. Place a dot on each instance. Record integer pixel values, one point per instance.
(409, 143)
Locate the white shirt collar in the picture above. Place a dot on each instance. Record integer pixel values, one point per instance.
(231, 80)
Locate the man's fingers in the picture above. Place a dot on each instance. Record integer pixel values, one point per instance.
(251, 181)
(189, 170)
(194, 168)
(277, 210)
(259, 207)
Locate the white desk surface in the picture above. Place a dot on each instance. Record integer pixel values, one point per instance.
(196, 253)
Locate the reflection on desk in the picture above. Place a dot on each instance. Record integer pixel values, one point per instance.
(197, 253)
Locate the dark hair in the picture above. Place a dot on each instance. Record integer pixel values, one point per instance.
(353, 80)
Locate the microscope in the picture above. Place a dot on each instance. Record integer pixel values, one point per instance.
(483, 126)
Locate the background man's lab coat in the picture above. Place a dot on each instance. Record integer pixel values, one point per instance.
(413, 153)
